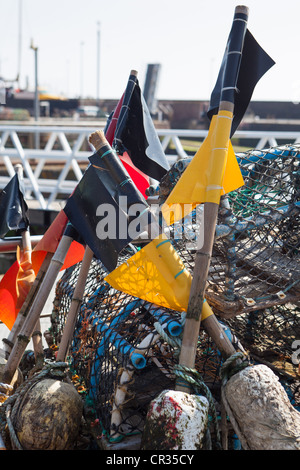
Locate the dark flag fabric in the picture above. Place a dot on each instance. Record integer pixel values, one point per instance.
(138, 177)
(13, 208)
(254, 63)
(214, 170)
(135, 134)
(106, 208)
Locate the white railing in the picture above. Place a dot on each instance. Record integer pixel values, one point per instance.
(68, 146)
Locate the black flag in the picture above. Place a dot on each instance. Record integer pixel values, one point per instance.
(254, 63)
(135, 133)
(13, 208)
(104, 205)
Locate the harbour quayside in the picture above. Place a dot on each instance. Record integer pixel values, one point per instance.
(174, 329)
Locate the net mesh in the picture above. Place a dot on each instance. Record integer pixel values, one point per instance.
(124, 350)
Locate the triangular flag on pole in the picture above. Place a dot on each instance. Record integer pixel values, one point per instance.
(135, 133)
(156, 274)
(106, 204)
(213, 171)
(139, 178)
(13, 289)
(254, 63)
(13, 208)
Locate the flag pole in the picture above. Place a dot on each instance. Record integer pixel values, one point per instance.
(11, 339)
(27, 251)
(36, 338)
(98, 140)
(36, 308)
(75, 306)
(125, 105)
(203, 255)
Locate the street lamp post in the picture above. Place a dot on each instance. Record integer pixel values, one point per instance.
(81, 68)
(98, 63)
(36, 93)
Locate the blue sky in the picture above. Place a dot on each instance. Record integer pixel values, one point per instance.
(187, 37)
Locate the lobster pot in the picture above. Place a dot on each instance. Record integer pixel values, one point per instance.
(49, 416)
(255, 262)
(260, 251)
(253, 284)
(123, 349)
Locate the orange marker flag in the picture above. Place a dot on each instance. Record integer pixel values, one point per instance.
(17, 281)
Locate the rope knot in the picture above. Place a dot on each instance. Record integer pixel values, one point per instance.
(235, 363)
(193, 377)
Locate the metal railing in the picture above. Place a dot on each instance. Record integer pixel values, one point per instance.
(67, 148)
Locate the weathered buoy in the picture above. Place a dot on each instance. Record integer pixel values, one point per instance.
(49, 416)
(259, 404)
(175, 421)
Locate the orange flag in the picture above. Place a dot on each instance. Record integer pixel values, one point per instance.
(17, 281)
(25, 276)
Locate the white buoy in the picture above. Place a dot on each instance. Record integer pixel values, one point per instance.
(255, 399)
(176, 421)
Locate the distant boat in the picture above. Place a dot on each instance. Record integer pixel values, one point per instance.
(48, 97)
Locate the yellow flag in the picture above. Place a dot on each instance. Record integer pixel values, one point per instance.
(213, 171)
(156, 274)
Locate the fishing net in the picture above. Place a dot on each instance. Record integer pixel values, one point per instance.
(124, 350)
(255, 260)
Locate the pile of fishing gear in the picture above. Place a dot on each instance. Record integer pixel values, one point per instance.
(125, 350)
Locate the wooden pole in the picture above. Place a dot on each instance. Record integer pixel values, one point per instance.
(37, 342)
(26, 248)
(98, 140)
(75, 306)
(11, 339)
(38, 303)
(202, 263)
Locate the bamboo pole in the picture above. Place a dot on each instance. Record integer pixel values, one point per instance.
(75, 306)
(38, 303)
(11, 339)
(98, 140)
(37, 342)
(221, 340)
(26, 248)
(202, 263)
